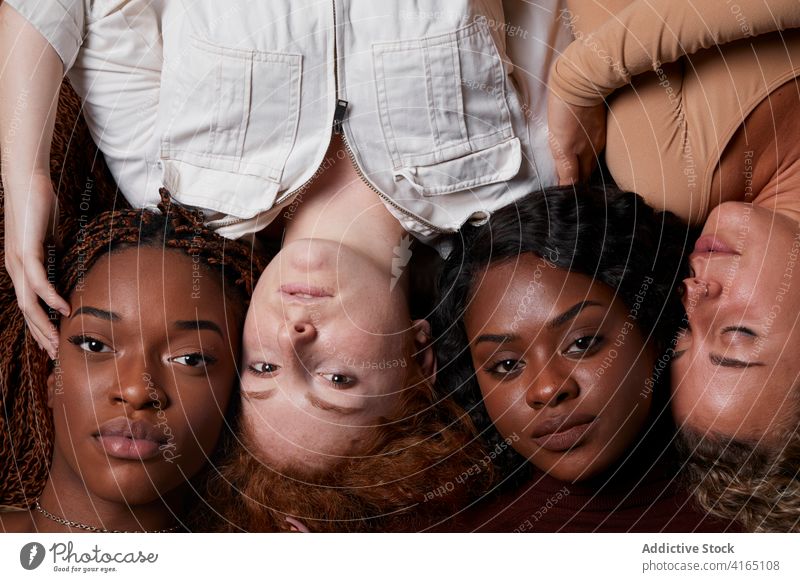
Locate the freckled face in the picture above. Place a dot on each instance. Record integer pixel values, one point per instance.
(325, 354)
(561, 365)
(145, 371)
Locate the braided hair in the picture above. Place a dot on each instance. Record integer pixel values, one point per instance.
(26, 428)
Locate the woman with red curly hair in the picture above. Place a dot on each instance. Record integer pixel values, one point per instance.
(339, 425)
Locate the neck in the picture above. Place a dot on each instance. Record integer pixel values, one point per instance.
(781, 191)
(66, 496)
(341, 207)
(761, 163)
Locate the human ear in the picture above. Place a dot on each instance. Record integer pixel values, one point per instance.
(424, 353)
(51, 388)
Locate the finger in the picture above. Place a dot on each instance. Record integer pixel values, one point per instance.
(45, 332)
(568, 170)
(37, 279)
(41, 339)
(587, 162)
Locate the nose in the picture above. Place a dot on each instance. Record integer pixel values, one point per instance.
(698, 289)
(139, 388)
(295, 334)
(551, 388)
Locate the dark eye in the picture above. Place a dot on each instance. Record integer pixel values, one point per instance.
(584, 344)
(506, 367)
(263, 368)
(195, 360)
(89, 344)
(338, 379)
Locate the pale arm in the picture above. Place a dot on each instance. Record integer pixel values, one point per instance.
(30, 78)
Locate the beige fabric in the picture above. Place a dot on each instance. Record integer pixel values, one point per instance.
(666, 145)
(668, 130)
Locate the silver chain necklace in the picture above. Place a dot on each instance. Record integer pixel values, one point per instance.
(91, 528)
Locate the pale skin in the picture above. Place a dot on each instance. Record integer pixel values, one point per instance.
(29, 88)
(579, 133)
(311, 392)
(32, 68)
(34, 74)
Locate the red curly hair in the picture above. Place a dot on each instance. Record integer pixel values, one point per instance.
(411, 475)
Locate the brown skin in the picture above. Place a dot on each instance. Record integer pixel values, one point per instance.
(759, 165)
(146, 364)
(541, 372)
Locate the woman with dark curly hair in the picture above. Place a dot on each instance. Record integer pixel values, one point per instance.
(105, 438)
(555, 322)
(708, 129)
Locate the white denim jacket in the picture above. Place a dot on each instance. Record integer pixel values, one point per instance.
(231, 105)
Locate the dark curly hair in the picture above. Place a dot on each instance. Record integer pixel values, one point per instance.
(612, 236)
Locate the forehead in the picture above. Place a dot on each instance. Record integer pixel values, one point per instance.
(151, 280)
(528, 284)
(733, 402)
(298, 440)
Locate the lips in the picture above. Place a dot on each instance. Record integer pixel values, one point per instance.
(711, 244)
(562, 433)
(305, 292)
(127, 439)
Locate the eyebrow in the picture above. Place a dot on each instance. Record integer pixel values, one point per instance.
(98, 313)
(496, 338)
(571, 313)
(718, 360)
(258, 394)
(557, 321)
(188, 325)
(315, 402)
(322, 405)
(197, 324)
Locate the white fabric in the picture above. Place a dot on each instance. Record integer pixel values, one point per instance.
(230, 104)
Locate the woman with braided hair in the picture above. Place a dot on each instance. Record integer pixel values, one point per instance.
(143, 380)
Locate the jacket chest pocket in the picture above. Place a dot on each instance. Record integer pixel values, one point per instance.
(234, 110)
(443, 108)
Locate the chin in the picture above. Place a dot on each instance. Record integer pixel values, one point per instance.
(577, 471)
(134, 487)
(126, 493)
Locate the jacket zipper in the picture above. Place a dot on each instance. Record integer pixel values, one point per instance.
(338, 118)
